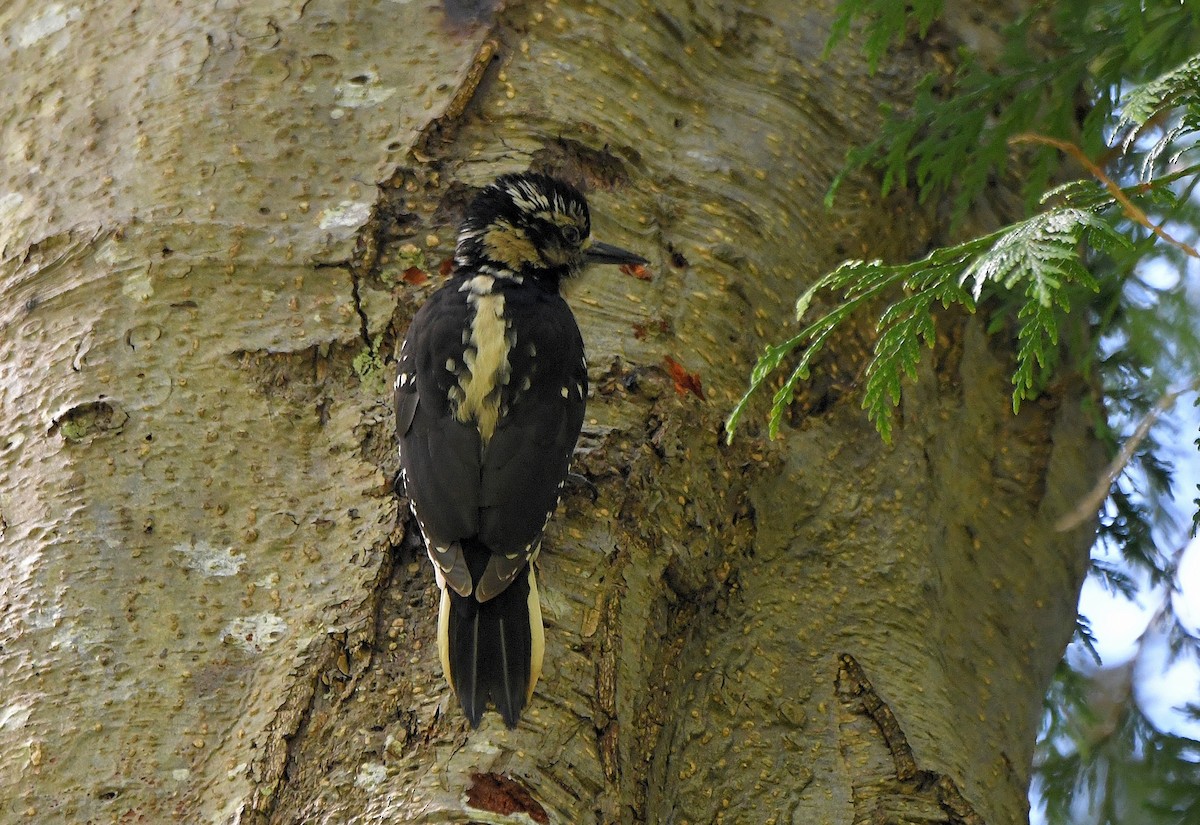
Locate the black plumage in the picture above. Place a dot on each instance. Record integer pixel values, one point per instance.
(490, 398)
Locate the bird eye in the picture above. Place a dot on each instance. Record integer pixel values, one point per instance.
(571, 233)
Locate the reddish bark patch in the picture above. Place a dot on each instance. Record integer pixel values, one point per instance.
(501, 794)
(638, 271)
(685, 381)
(658, 326)
(414, 275)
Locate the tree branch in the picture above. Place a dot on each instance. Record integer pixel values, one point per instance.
(1131, 210)
(1090, 503)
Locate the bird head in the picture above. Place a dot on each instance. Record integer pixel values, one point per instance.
(534, 227)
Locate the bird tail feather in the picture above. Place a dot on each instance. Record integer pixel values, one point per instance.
(492, 651)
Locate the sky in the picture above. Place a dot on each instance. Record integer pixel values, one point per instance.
(1126, 630)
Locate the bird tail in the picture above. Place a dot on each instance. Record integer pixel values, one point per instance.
(492, 651)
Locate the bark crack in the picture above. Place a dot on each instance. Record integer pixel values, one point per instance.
(364, 325)
(853, 681)
(607, 725)
(342, 659)
(855, 690)
(444, 125)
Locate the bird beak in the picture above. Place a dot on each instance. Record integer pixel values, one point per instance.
(603, 253)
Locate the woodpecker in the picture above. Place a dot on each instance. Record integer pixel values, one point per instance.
(490, 397)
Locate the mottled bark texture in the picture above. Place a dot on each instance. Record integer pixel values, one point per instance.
(216, 219)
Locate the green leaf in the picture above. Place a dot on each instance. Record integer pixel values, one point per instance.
(1042, 250)
(1143, 103)
(1038, 259)
(884, 23)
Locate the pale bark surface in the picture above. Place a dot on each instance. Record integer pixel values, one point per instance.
(211, 609)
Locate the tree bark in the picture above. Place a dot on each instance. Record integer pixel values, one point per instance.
(217, 221)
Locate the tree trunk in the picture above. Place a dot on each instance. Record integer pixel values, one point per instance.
(217, 220)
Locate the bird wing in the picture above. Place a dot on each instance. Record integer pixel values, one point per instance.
(439, 455)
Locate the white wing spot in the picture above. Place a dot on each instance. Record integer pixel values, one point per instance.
(564, 392)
